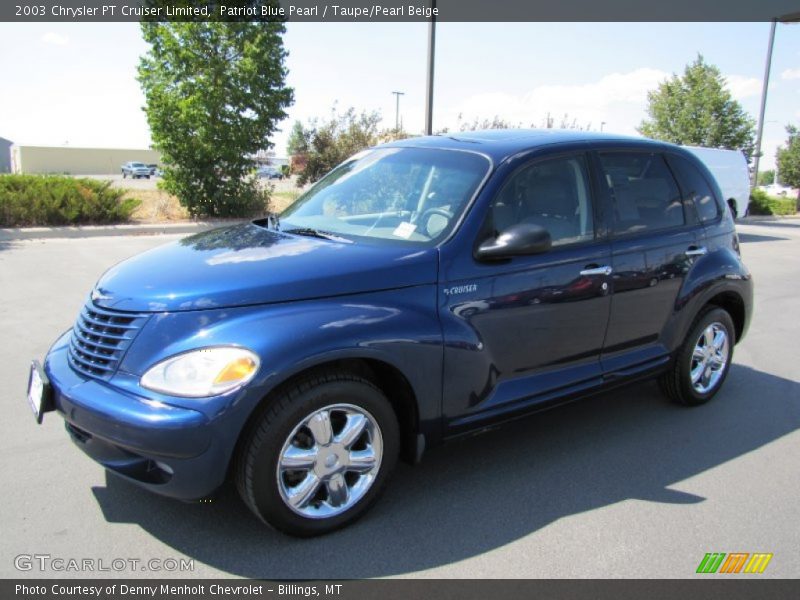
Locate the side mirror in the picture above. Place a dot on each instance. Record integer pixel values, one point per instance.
(522, 239)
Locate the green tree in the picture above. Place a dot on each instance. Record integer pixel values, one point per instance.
(214, 93)
(789, 161)
(766, 177)
(697, 109)
(332, 141)
(299, 140)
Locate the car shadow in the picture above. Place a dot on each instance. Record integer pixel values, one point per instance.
(480, 493)
(793, 223)
(749, 238)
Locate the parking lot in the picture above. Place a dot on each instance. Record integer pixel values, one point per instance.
(620, 485)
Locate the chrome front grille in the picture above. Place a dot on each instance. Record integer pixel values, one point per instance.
(100, 338)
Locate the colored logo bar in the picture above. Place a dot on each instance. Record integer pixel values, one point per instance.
(736, 562)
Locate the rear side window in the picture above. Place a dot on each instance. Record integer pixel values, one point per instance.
(695, 188)
(645, 195)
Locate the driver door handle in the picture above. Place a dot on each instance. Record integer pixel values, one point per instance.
(696, 251)
(594, 270)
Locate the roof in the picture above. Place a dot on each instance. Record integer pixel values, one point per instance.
(500, 144)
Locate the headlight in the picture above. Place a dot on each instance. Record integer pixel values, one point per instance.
(206, 372)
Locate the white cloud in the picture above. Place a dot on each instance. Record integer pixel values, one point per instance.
(55, 39)
(618, 99)
(791, 74)
(743, 87)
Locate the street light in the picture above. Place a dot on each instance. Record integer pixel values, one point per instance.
(791, 18)
(397, 110)
(429, 83)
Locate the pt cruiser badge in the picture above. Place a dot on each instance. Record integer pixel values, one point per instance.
(460, 289)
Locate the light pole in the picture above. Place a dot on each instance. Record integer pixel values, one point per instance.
(765, 85)
(791, 18)
(397, 110)
(429, 84)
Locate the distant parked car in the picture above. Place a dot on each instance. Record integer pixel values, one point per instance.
(730, 169)
(135, 170)
(269, 173)
(776, 189)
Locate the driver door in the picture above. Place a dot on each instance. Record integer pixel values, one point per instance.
(529, 329)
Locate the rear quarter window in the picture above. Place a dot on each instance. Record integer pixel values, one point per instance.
(695, 188)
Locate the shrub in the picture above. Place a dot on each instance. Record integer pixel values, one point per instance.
(27, 200)
(763, 204)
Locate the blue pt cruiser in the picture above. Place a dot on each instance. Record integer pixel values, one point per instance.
(421, 290)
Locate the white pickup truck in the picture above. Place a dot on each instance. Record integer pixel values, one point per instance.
(730, 169)
(135, 170)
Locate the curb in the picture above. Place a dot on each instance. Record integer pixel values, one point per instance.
(754, 219)
(40, 233)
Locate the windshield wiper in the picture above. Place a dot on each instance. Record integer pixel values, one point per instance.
(325, 235)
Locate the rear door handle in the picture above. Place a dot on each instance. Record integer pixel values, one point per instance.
(592, 270)
(696, 251)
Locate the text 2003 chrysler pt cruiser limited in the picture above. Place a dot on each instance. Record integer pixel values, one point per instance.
(421, 290)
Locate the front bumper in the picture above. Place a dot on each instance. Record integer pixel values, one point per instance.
(171, 450)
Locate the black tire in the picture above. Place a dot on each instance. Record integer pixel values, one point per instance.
(732, 206)
(677, 382)
(124, 175)
(256, 471)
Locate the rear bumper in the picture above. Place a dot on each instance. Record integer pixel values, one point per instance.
(171, 450)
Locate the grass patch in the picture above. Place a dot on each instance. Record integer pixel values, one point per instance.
(280, 201)
(156, 206)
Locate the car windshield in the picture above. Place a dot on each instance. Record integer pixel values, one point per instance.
(137, 164)
(400, 195)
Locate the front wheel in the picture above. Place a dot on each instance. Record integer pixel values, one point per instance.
(703, 361)
(319, 455)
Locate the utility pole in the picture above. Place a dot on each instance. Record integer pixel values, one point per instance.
(765, 85)
(397, 110)
(789, 19)
(431, 61)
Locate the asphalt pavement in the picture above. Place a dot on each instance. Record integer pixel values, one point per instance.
(620, 485)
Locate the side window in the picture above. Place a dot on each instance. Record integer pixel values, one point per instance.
(645, 195)
(695, 188)
(552, 193)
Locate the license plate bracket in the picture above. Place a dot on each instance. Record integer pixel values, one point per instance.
(40, 393)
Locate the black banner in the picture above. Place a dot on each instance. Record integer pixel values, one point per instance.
(398, 10)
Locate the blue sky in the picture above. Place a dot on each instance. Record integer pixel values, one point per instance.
(75, 83)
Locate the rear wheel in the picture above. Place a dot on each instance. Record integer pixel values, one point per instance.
(703, 361)
(319, 455)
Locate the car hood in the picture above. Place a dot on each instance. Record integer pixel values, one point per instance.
(249, 264)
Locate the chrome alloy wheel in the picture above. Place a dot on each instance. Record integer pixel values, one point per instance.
(709, 358)
(329, 461)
